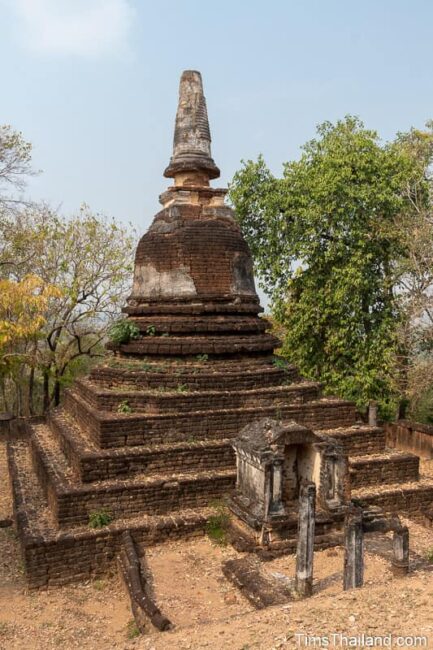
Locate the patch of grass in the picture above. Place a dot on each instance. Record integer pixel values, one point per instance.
(202, 358)
(10, 532)
(218, 525)
(181, 388)
(124, 407)
(99, 585)
(132, 631)
(165, 334)
(151, 330)
(123, 331)
(100, 518)
(429, 555)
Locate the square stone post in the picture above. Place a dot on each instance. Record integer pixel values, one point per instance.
(372, 414)
(354, 549)
(305, 547)
(400, 545)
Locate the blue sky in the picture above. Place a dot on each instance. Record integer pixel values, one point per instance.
(93, 84)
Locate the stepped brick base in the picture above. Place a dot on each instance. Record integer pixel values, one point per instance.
(158, 475)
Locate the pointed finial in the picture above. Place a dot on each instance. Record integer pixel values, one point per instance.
(191, 145)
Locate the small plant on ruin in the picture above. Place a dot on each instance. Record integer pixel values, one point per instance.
(278, 362)
(123, 331)
(165, 334)
(429, 555)
(100, 518)
(202, 358)
(218, 524)
(151, 330)
(282, 364)
(124, 407)
(181, 388)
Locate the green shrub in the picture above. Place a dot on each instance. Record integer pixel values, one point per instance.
(151, 330)
(202, 357)
(124, 407)
(218, 525)
(123, 331)
(100, 518)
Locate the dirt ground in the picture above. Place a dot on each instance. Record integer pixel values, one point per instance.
(207, 611)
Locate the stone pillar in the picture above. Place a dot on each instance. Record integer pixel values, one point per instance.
(400, 544)
(277, 507)
(267, 490)
(372, 414)
(354, 549)
(305, 547)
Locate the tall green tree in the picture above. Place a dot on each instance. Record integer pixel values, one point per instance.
(325, 243)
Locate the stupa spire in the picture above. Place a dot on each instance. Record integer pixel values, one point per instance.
(191, 161)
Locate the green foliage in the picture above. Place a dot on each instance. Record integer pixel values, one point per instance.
(202, 358)
(88, 259)
(218, 524)
(151, 330)
(181, 388)
(123, 331)
(124, 407)
(325, 246)
(100, 518)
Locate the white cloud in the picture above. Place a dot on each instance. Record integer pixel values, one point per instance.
(87, 28)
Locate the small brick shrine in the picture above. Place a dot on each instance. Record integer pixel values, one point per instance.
(147, 436)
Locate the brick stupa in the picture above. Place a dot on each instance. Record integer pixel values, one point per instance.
(146, 438)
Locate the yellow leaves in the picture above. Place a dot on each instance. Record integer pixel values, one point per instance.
(22, 308)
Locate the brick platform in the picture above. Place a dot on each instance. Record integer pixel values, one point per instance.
(147, 436)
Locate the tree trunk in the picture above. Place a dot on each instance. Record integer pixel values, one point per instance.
(46, 389)
(31, 391)
(56, 392)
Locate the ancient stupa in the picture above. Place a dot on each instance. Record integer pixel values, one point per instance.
(145, 442)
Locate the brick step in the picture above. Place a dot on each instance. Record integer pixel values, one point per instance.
(205, 375)
(92, 464)
(359, 439)
(57, 557)
(182, 401)
(204, 344)
(208, 324)
(409, 498)
(378, 469)
(108, 430)
(71, 502)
